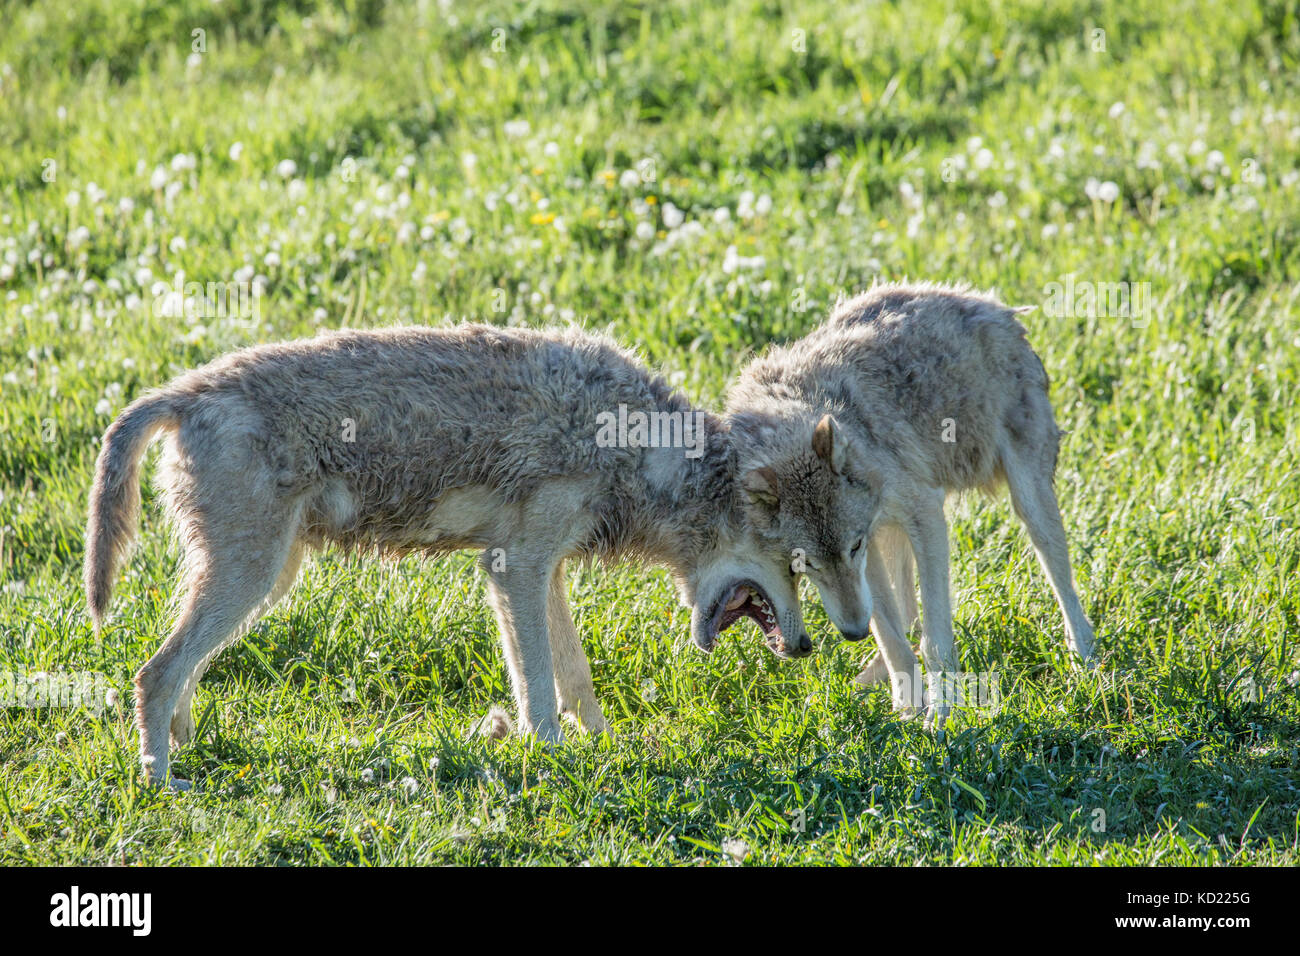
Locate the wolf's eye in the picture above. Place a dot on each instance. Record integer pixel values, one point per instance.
(856, 551)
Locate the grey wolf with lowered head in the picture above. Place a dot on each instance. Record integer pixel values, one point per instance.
(853, 437)
(429, 441)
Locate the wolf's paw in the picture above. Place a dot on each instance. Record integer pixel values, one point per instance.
(585, 716)
(166, 782)
(549, 733)
(936, 717)
(874, 673)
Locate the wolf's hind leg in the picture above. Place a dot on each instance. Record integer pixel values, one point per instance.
(182, 727)
(519, 598)
(228, 577)
(573, 687)
(1034, 500)
(902, 574)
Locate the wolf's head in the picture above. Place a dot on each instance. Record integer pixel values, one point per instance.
(812, 500)
(742, 578)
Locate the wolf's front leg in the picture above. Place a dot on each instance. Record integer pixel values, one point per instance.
(928, 533)
(518, 596)
(577, 696)
(895, 659)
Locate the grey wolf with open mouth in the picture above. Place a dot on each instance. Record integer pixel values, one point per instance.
(429, 441)
(852, 438)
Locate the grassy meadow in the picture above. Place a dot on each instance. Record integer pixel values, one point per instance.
(699, 179)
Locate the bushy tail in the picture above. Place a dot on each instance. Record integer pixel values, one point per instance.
(115, 496)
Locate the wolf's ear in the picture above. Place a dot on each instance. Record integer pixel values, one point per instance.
(830, 444)
(761, 484)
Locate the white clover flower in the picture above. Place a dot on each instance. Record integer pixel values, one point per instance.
(143, 276)
(271, 259)
(629, 179)
(517, 128)
(721, 215)
(286, 169)
(672, 216)
(297, 190)
(984, 158)
(126, 205)
(733, 261)
(764, 205)
(159, 178)
(367, 776)
(1108, 191)
(735, 850)
(551, 149)
(177, 244)
(182, 162)
(1117, 110)
(401, 172)
(644, 230)
(1214, 159)
(78, 237)
(73, 199)
(236, 150)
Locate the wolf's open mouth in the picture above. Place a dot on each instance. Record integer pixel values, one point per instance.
(745, 599)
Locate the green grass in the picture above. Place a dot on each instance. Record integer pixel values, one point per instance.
(335, 733)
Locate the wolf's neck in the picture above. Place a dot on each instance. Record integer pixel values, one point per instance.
(679, 501)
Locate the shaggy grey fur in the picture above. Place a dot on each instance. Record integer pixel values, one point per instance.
(853, 435)
(427, 440)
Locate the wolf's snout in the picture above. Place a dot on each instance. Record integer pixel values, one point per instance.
(856, 635)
